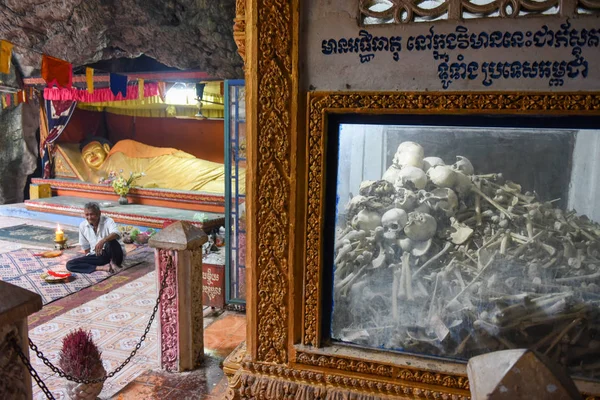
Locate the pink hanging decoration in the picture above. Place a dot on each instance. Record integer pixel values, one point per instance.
(99, 95)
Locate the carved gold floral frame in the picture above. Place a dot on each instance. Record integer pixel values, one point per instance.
(282, 357)
(323, 104)
(320, 105)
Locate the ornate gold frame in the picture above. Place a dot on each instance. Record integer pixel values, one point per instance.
(285, 188)
(321, 104)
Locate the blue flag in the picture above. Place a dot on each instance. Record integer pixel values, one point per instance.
(118, 83)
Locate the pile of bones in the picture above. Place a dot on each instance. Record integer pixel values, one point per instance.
(436, 259)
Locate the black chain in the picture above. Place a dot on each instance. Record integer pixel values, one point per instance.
(62, 374)
(32, 370)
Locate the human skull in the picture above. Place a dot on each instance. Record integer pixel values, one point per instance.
(417, 249)
(405, 199)
(411, 178)
(420, 226)
(355, 204)
(463, 165)
(409, 154)
(445, 200)
(381, 188)
(463, 184)
(364, 187)
(429, 162)
(442, 176)
(410, 147)
(393, 222)
(406, 159)
(391, 174)
(366, 220)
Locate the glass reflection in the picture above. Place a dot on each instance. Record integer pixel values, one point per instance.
(459, 241)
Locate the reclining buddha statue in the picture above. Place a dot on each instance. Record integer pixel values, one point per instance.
(164, 168)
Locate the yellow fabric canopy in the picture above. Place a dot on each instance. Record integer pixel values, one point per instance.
(153, 107)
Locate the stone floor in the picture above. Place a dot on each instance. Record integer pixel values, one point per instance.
(223, 332)
(220, 338)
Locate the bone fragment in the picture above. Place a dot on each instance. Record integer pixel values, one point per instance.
(460, 279)
(583, 231)
(433, 298)
(433, 259)
(529, 226)
(342, 253)
(406, 274)
(492, 202)
(550, 263)
(342, 243)
(491, 240)
(573, 279)
(378, 262)
(505, 242)
(395, 284)
(422, 290)
(462, 345)
(524, 245)
(478, 206)
(353, 236)
(491, 329)
(561, 334)
(353, 278)
(549, 249)
(476, 277)
(402, 285)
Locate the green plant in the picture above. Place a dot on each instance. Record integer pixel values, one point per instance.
(121, 186)
(134, 234)
(80, 356)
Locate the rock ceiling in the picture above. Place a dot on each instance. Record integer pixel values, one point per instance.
(186, 34)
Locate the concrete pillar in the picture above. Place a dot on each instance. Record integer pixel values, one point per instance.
(178, 254)
(16, 304)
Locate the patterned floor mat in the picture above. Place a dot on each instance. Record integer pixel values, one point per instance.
(23, 268)
(35, 235)
(116, 320)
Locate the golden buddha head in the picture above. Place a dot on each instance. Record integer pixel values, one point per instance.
(94, 153)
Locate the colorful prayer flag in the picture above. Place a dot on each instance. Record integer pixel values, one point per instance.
(57, 71)
(3, 101)
(162, 89)
(118, 84)
(5, 56)
(8, 100)
(89, 77)
(140, 89)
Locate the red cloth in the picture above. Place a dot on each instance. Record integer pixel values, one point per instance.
(99, 95)
(55, 71)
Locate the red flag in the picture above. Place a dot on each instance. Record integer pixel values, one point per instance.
(57, 71)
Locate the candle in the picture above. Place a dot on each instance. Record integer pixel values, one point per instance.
(60, 236)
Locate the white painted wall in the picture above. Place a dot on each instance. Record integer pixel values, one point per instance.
(361, 157)
(418, 71)
(584, 193)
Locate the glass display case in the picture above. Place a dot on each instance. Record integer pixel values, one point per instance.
(235, 192)
(466, 236)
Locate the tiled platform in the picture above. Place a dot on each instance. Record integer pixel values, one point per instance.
(134, 214)
(69, 210)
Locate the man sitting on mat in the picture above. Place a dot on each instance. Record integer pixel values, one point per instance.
(101, 241)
